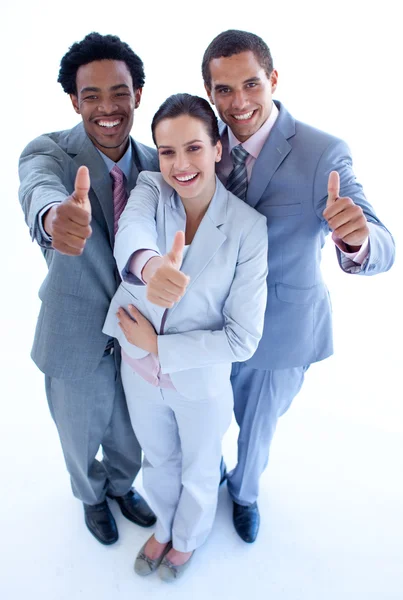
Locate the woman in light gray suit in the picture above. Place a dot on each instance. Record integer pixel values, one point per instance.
(176, 362)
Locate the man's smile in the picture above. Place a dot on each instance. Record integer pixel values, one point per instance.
(244, 116)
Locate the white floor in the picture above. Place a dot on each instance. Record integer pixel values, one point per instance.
(331, 504)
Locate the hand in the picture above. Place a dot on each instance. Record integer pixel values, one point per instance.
(68, 223)
(139, 331)
(345, 219)
(166, 284)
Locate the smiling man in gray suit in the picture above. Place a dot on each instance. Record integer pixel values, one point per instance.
(75, 227)
(302, 180)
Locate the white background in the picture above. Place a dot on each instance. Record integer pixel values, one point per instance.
(332, 498)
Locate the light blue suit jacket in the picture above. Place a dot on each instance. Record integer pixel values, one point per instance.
(220, 318)
(289, 186)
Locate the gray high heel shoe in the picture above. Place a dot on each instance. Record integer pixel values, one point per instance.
(143, 565)
(170, 572)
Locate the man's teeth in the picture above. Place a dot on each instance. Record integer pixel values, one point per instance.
(243, 117)
(109, 123)
(186, 177)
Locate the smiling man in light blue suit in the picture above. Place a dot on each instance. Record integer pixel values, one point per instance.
(282, 168)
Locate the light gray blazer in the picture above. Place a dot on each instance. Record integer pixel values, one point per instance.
(77, 290)
(220, 318)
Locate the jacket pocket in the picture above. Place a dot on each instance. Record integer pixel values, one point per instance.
(280, 210)
(298, 295)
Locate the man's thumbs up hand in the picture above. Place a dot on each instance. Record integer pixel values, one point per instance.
(68, 223)
(81, 189)
(345, 218)
(333, 188)
(166, 284)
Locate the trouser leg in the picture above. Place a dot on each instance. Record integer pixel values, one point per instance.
(260, 398)
(121, 449)
(201, 426)
(155, 425)
(84, 410)
(181, 440)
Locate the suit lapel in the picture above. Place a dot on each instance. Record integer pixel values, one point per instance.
(101, 185)
(87, 154)
(146, 158)
(207, 241)
(270, 158)
(134, 173)
(80, 145)
(273, 153)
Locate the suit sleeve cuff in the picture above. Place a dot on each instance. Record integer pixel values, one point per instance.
(134, 268)
(358, 257)
(46, 236)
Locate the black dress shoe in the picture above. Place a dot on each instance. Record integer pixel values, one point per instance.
(246, 521)
(100, 522)
(223, 471)
(135, 508)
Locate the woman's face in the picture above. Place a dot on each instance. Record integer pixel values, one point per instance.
(187, 157)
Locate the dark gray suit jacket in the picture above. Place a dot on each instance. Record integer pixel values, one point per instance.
(77, 290)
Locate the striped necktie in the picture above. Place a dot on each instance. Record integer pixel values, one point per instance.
(119, 195)
(237, 181)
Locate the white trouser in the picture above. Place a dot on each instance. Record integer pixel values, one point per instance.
(181, 441)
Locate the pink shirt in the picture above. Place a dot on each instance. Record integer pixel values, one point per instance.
(253, 145)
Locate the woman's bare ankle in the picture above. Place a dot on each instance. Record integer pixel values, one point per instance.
(178, 558)
(154, 549)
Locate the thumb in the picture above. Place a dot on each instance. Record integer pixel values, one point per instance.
(81, 189)
(333, 188)
(176, 252)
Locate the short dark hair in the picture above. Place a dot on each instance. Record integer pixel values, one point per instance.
(98, 47)
(233, 42)
(186, 104)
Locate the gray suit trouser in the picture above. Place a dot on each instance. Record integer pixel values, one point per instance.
(89, 413)
(260, 398)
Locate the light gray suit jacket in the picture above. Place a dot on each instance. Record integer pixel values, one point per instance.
(77, 290)
(289, 186)
(219, 320)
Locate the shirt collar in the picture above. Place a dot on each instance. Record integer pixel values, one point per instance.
(125, 163)
(256, 142)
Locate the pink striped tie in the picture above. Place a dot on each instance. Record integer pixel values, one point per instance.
(119, 195)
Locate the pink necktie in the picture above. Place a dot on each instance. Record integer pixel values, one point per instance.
(119, 195)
